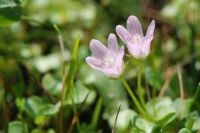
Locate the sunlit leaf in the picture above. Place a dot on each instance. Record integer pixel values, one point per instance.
(182, 106)
(52, 85)
(37, 131)
(17, 127)
(184, 130)
(80, 92)
(49, 109)
(160, 108)
(36, 106)
(46, 63)
(142, 125)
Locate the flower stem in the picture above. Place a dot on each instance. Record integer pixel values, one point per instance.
(135, 101)
(139, 88)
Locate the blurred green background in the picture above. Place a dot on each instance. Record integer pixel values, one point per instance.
(30, 59)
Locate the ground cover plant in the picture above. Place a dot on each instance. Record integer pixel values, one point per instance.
(99, 66)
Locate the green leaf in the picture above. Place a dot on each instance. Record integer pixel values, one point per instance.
(182, 107)
(189, 123)
(10, 11)
(174, 8)
(17, 127)
(157, 129)
(80, 92)
(195, 116)
(184, 130)
(160, 108)
(36, 106)
(20, 103)
(39, 120)
(42, 131)
(33, 105)
(48, 62)
(49, 109)
(37, 131)
(124, 118)
(153, 77)
(142, 124)
(51, 85)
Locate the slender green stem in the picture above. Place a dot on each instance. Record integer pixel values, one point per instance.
(139, 88)
(133, 97)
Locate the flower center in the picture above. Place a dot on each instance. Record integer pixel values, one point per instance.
(137, 38)
(109, 61)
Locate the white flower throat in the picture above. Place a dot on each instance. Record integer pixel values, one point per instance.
(109, 61)
(137, 38)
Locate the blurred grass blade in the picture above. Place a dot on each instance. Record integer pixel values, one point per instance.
(71, 75)
(73, 66)
(197, 93)
(113, 130)
(75, 118)
(97, 111)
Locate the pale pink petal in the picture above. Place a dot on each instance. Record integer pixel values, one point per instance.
(94, 63)
(98, 49)
(123, 33)
(151, 28)
(121, 52)
(114, 73)
(134, 50)
(147, 40)
(113, 44)
(119, 59)
(134, 26)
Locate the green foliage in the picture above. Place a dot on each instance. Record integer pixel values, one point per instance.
(184, 130)
(41, 93)
(17, 127)
(153, 77)
(10, 11)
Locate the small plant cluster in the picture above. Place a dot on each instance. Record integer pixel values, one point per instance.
(149, 84)
(159, 114)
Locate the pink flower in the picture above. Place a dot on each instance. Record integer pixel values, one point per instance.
(108, 60)
(138, 45)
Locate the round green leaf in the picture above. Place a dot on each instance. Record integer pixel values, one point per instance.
(17, 127)
(184, 130)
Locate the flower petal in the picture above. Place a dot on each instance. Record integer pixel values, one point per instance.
(121, 53)
(94, 63)
(113, 44)
(123, 33)
(98, 49)
(147, 40)
(151, 28)
(134, 50)
(134, 26)
(112, 72)
(119, 58)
